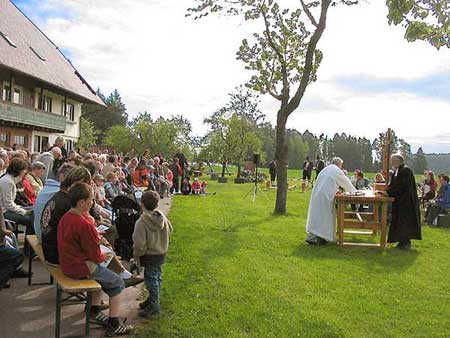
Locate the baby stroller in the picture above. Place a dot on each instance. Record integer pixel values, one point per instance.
(125, 213)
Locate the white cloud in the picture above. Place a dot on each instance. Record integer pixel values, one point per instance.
(168, 64)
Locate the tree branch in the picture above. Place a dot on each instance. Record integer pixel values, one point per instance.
(309, 59)
(309, 14)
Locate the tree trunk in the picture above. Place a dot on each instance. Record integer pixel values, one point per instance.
(281, 157)
(224, 165)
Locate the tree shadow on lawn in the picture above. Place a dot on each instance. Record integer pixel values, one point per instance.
(374, 260)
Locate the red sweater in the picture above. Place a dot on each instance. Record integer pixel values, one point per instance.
(78, 241)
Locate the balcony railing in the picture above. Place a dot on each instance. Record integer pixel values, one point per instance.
(23, 115)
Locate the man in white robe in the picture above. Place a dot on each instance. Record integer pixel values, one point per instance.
(322, 211)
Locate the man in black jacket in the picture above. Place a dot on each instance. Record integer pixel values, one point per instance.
(405, 223)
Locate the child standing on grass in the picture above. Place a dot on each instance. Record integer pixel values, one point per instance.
(80, 257)
(150, 244)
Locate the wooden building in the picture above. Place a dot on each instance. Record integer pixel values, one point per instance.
(41, 92)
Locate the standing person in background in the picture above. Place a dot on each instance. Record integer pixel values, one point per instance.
(272, 172)
(110, 166)
(175, 167)
(320, 164)
(59, 143)
(307, 173)
(183, 162)
(49, 158)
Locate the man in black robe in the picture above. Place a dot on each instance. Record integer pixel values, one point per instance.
(405, 223)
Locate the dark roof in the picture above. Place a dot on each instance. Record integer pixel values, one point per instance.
(31, 52)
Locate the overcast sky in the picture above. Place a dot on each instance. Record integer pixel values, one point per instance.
(162, 62)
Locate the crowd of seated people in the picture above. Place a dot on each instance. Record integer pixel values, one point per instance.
(63, 197)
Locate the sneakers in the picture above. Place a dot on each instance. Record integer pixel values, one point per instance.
(119, 330)
(98, 318)
(134, 280)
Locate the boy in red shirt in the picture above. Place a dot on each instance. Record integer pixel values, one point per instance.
(80, 257)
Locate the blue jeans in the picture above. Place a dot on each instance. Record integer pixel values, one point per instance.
(110, 282)
(10, 259)
(153, 281)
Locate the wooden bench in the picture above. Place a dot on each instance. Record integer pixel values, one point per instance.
(74, 288)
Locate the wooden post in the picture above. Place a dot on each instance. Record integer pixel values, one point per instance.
(340, 225)
(384, 211)
(376, 217)
(387, 154)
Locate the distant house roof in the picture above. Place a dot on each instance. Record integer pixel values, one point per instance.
(26, 49)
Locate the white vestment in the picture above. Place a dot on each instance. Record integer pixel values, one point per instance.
(322, 211)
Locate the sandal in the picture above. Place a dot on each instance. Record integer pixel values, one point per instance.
(120, 330)
(99, 318)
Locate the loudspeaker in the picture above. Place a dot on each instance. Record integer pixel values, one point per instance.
(256, 158)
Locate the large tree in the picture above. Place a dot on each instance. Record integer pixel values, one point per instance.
(283, 58)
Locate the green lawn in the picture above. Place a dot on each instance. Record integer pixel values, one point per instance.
(236, 270)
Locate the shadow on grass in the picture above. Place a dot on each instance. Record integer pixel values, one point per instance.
(375, 260)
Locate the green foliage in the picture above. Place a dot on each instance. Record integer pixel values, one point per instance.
(427, 20)
(236, 270)
(88, 134)
(420, 162)
(234, 140)
(164, 135)
(120, 138)
(104, 117)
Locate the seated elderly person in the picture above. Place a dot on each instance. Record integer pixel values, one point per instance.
(112, 187)
(441, 204)
(34, 178)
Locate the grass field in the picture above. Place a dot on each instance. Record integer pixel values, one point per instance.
(236, 270)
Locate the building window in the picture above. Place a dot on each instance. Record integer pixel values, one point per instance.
(45, 145)
(8, 39)
(69, 145)
(4, 138)
(37, 144)
(6, 92)
(17, 96)
(69, 112)
(46, 104)
(20, 140)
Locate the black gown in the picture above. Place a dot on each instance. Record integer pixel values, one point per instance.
(405, 223)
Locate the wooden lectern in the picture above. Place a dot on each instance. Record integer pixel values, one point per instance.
(367, 223)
